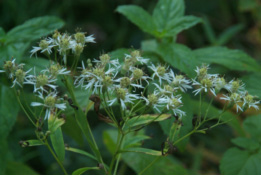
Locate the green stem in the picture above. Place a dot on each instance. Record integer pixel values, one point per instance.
(58, 161)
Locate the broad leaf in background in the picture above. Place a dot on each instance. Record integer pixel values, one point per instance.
(17, 168)
(247, 5)
(16, 41)
(138, 16)
(246, 161)
(8, 112)
(177, 55)
(167, 20)
(253, 83)
(82, 170)
(232, 59)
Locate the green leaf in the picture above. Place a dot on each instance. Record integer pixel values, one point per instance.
(236, 161)
(82, 170)
(17, 168)
(246, 143)
(178, 25)
(8, 110)
(229, 34)
(139, 17)
(79, 151)
(178, 56)
(142, 150)
(4, 155)
(232, 59)
(144, 119)
(209, 31)
(253, 83)
(56, 138)
(34, 29)
(34, 142)
(119, 54)
(166, 11)
(134, 140)
(37, 63)
(54, 123)
(252, 126)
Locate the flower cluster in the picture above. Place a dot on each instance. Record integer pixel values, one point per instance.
(236, 92)
(64, 44)
(125, 82)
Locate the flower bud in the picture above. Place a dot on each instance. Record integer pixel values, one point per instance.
(78, 49)
(137, 74)
(107, 81)
(105, 58)
(125, 82)
(41, 80)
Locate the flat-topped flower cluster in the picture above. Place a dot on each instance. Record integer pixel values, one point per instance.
(129, 82)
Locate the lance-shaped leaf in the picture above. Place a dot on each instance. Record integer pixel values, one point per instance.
(79, 151)
(82, 170)
(54, 125)
(142, 150)
(139, 17)
(144, 119)
(32, 143)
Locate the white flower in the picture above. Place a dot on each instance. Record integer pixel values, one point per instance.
(89, 39)
(234, 98)
(138, 75)
(235, 86)
(179, 81)
(10, 68)
(250, 102)
(56, 69)
(174, 103)
(155, 101)
(125, 82)
(166, 91)
(124, 97)
(138, 58)
(205, 85)
(160, 72)
(44, 46)
(40, 81)
(50, 102)
(96, 78)
(19, 77)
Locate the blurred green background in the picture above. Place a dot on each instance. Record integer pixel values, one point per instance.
(238, 19)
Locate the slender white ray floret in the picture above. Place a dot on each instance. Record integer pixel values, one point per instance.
(50, 102)
(234, 98)
(166, 91)
(155, 101)
(249, 101)
(56, 69)
(45, 45)
(40, 81)
(10, 68)
(105, 59)
(161, 72)
(179, 81)
(174, 103)
(20, 77)
(205, 85)
(123, 96)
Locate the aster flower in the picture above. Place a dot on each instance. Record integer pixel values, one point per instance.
(174, 103)
(136, 57)
(206, 84)
(56, 69)
(155, 101)
(10, 68)
(166, 91)
(160, 72)
(179, 81)
(20, 77)
(250, 102)
(138, 75)
(123, 96)
(235, 86)
(40, 81)
(125, 82)
(96, 78)
(234, 98)
(106, 59)
(50, 102)
(44, 46)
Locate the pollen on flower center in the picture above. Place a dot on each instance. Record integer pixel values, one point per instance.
(54, 69)
(20, 74)
(153, 99)
(121, 93)
(235, 97)
(125, 82)
(50, 101)
(176, 81)
(161, 70)
(249, 98)
(137, 74)
(43, 44)
(175, 102)
(202, 72)
(206, 83)
(98, 71)
(105, 58)
(80, 37)
(235, 86)
(107, 81)
(41, 80)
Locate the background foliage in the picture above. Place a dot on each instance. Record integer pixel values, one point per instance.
(222, 27)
